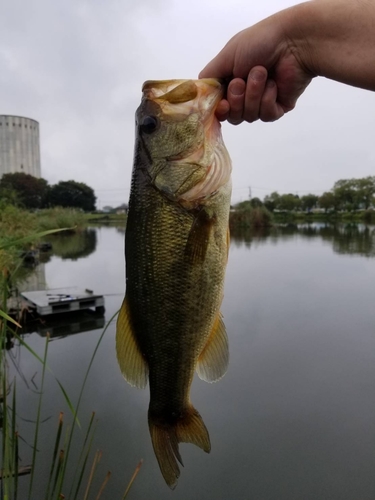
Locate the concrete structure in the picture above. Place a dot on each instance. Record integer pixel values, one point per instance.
(19, 145)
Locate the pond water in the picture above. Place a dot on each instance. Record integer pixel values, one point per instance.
(294, 417)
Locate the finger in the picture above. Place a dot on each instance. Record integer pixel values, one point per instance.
(236, 99)
(222, 110)
(255, 86)
(270, 110)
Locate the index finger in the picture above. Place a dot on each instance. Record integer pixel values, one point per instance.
(221, 65)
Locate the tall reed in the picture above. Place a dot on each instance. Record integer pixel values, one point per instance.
(56, 486)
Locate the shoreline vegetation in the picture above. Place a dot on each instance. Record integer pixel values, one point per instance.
(22, 231)
(257, 217)
(350, 200)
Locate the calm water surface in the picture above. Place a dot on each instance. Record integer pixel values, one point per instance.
(294, 418)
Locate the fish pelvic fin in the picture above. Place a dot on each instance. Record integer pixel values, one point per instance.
(189, 428)
(214, 358)
(132, 363)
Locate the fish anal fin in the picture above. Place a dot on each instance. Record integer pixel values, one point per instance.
(132, 363)
(188, 428)
(213, 360)
(199, 237)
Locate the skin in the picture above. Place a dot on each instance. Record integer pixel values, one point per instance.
(269, 65)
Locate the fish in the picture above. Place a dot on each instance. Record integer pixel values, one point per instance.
(176, 251)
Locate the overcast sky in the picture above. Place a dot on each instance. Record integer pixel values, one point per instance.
(78, 66)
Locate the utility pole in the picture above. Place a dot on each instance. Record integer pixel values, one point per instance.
(249, 192)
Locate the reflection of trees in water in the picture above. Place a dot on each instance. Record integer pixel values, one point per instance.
(121, 229)
(74, 246)
(247, 236)
(355, 239)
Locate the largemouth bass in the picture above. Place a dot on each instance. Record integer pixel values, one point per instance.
(176, 249)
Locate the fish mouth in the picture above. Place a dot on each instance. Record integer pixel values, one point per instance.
(185, 96)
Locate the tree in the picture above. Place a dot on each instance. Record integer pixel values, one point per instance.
(288, 202)
(355, 193)
(72, 194)
(328, 201)
(256, 202)
(243, 205)
(271, 201)
(308, 201)
(365, 188)
(345, 192)
(24, 189)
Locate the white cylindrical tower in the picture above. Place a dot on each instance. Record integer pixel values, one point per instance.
(19, 145)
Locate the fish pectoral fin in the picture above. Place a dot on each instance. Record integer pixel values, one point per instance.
(132, 363)
(213, 360)
(199, 237)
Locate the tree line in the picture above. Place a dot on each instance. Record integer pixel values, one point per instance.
(33, 193)
(346, 195)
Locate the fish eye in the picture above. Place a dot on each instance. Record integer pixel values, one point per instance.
(149, 124)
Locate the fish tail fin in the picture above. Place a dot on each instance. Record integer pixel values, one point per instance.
(189, 428)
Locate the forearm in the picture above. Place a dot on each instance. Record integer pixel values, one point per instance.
(334, 39)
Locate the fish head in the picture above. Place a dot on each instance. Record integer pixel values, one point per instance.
(181, 136)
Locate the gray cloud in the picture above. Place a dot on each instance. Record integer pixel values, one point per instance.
(78, 66)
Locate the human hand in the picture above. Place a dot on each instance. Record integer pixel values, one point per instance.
(265, 72)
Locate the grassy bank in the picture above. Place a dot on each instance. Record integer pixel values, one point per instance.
(73, 468)
(20, 233)
(58, 218)
(364, 216)
(106, 218)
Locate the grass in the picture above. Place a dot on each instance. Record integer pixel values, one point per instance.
(56, 218)
(13, 223)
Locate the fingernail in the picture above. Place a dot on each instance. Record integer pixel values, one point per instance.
(237, 89)
(257, 76)
(270, 84)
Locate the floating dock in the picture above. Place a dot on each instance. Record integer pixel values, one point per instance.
(63, 300)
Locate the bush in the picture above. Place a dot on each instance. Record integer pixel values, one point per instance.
(58, 218)
(251, 218)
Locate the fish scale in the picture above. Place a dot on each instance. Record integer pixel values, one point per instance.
(176, 252)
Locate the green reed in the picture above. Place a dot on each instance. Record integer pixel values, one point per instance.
(10, 468)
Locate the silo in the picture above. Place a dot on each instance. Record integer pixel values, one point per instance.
(19, 145)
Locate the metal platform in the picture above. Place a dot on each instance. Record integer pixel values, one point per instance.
(61, 300)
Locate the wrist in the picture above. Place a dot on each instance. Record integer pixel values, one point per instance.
(334, 39)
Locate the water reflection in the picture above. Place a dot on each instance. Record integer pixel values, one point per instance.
(72, 246)
(355, 239)
(294, 416)
(61, 325)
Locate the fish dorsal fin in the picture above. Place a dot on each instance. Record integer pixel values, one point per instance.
(213, 360)
(132, 363)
